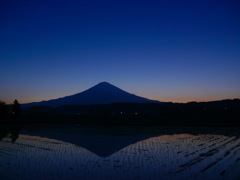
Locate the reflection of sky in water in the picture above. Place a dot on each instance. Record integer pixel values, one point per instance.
(177, 156)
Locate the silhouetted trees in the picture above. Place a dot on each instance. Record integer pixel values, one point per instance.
(16, 110)
(10, 113)
(4, 110)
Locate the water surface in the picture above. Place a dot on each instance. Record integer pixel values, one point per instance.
(77, 152)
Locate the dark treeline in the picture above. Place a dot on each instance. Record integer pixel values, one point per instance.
(10, 113)
(4, 111)
(225, 112)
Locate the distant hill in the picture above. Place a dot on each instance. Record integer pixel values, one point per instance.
(102, 93)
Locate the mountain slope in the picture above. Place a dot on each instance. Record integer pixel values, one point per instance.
(102, 93)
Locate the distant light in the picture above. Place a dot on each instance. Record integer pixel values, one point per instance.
(136, 113)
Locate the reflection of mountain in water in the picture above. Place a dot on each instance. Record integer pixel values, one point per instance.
(203, 155)
(101, 141)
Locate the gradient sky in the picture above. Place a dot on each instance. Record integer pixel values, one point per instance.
(169, 50)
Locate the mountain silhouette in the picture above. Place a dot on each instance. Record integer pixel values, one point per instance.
(102, 93)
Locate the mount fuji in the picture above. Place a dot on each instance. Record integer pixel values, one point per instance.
(102, 93)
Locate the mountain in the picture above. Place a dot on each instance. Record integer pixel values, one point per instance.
(102, 93)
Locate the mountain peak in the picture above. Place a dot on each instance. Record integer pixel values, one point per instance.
(104, 83)
(103, 89)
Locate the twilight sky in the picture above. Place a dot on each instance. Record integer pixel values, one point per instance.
(168, 50)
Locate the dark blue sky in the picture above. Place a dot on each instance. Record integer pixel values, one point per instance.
(169, 50)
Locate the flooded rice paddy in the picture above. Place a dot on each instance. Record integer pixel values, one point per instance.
(75, 152)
